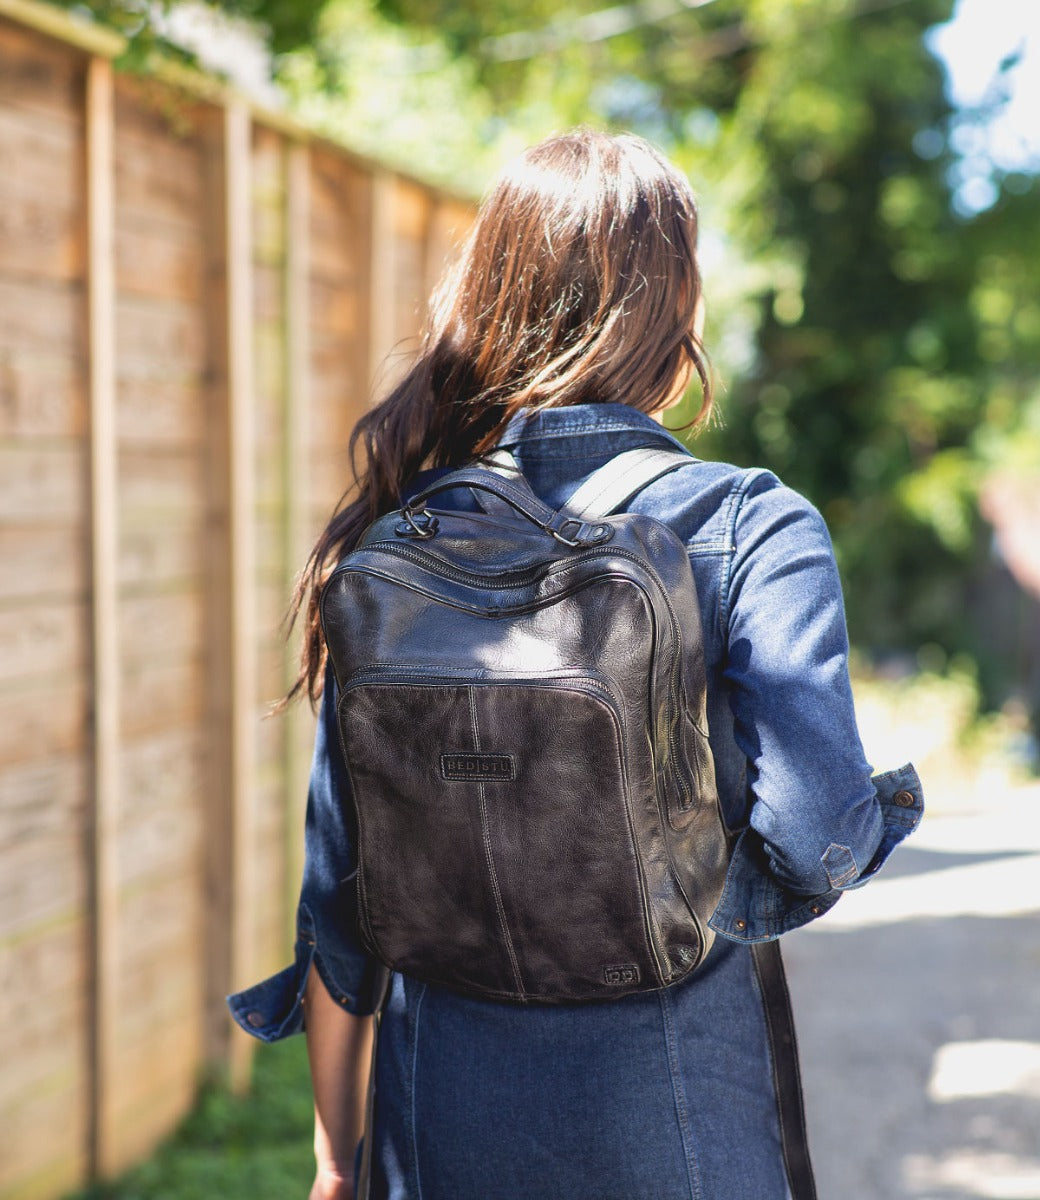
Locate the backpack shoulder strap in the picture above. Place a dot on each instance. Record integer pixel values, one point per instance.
(502, 461)
(617, 482)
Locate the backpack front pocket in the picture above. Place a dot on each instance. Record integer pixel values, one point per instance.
(496, 849)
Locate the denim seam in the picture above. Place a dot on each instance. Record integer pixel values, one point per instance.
(774, 917)
(344, 999)
(735, 501)
(553, 453)
(904, 772)
(679, 1095)
(412, 1081)
(896, 816)
(599, 425)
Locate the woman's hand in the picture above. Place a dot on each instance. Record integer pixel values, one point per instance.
(332, 1184)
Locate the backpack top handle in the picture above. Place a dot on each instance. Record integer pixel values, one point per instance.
(516, 492)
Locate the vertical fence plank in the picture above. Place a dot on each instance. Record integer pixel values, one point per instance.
(435, 248)
(383, 282)
(217, 811)
(448, 225)
(297, 494)
(241, 557)
(100, 186)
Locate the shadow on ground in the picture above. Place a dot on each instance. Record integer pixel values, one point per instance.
(920, 1033)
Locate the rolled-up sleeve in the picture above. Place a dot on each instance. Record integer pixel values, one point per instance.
(819, 822)
(326, 919)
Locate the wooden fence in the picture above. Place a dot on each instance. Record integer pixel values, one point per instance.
(194, 297)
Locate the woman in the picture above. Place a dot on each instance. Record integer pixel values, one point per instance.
(569, 326)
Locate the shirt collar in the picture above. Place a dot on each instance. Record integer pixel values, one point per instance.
(584, 419)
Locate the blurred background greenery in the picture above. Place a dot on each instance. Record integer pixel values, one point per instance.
(869, 250)
(257, 1145)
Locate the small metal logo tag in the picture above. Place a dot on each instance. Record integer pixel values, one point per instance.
(478, 768)
(619, 976)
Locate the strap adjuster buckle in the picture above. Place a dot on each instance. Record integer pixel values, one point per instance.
(416, 524)
(573, 532)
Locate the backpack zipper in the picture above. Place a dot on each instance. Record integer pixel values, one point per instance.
(591, 684)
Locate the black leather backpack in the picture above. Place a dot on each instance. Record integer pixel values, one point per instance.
(522, 709)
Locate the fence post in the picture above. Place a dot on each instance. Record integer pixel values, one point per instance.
(241, 473)
(104, 567)
(297, 495)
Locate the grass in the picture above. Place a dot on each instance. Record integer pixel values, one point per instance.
(256, 1146)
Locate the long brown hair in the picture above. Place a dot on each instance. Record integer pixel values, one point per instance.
(577, 283)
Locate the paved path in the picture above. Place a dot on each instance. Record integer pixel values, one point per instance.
(917, 1001)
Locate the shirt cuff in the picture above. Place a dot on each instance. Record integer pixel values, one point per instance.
(273, 1009)
(756, 907)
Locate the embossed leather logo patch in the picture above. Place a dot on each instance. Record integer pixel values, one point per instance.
(621, 975)
(478, 768)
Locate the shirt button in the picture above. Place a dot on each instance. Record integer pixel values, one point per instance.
(741, 924)
(814, 909)
(904, 799)
(255, 1019)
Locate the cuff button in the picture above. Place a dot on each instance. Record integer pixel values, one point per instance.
(255, 1019)
(815, 909)
(904, 799)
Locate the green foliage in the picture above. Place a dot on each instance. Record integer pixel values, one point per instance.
(256, 1147)
(381, 90)
(861, 368)
(135, 20)
(285, 24)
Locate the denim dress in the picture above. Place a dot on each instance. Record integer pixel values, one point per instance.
(690, 1092)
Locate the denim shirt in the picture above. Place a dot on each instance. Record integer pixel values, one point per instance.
(811, 820)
